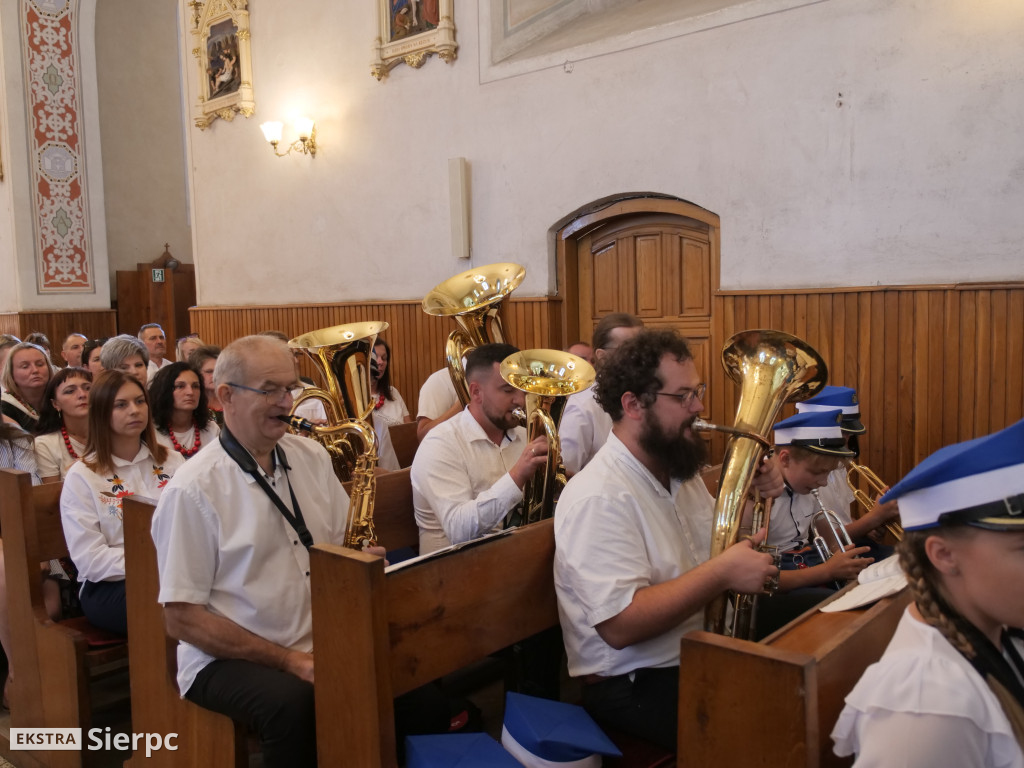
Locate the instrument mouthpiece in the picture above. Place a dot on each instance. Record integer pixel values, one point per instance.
(297, 422)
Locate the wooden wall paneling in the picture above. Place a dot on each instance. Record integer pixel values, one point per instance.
(93, 323)
(1014, 356)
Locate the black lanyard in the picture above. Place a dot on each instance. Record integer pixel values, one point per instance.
(248, 464)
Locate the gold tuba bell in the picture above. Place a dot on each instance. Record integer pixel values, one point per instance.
(771, 368)
(341, 355)
(474, 298)
(548, 377)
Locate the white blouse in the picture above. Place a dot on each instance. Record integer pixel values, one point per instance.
(52, 455)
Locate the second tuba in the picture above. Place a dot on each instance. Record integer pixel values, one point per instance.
(342, 355)
(474, 298)
(548, 377)
(771, 368)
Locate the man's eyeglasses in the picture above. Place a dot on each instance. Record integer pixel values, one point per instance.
(275, 395)
(687, 397)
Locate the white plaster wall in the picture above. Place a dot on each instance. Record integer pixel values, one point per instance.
(142, 133)
(915, 175)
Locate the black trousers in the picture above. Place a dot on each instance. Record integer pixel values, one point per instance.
(646, 707)
(275, 705)
(105, 605)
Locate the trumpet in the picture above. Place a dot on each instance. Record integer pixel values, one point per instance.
(826, 521)
(854, 474)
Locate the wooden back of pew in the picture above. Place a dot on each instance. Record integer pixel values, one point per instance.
(405, 442)
(774, 703)
(378, 636)
(204, 737)
(53, 661)
(393, 516)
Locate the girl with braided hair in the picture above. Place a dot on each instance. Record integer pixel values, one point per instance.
(949, 689)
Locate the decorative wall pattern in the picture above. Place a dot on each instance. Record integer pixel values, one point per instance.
(64, 262)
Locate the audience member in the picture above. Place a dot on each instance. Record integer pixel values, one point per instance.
(6, 343)
(181, 414)
(152, 335)
(186, 346)
(41, 340)
(91, 355)
(204, 360)
(63, 429)
(71, 349)
(26, 373)
(581, 349)
(122, 458)
(126, 354)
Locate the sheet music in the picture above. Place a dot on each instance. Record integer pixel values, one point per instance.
(447, 550)
(878, 580)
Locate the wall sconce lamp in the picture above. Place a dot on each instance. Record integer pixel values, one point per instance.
(306, 143)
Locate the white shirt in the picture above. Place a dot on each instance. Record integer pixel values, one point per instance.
(187, 439)
(618, 530)
(393, 411)
(791, 514)
(18, 454)
(584, 428)
(153, 368)
(461, 487)
(922, 705)
(90, 509)
(52, 455)
(222, 543)
(437, 395)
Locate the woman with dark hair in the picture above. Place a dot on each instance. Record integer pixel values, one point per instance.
(91, 355)
(204, 360)
(181, 414)
(389, 406)
(949, 689)
(122, 458)
(63, 428)
(26, 373)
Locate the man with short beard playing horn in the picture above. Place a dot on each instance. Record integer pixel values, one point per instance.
(633, 536)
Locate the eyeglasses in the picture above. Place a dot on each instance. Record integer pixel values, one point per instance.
(275, 395)
(685, 398)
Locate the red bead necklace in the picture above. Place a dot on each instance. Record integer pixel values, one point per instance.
(186, 452)
(380, 402)
(67, 442)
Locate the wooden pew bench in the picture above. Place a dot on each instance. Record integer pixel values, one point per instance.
(53, 661)
(774, 703)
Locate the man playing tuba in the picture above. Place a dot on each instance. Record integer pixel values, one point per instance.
(633, 536)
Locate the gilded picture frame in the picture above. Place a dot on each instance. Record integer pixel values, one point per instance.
(220, 31)
(411, 30)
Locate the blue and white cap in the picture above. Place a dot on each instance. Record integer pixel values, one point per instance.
(978, 483)
(540, 733)
(456, 750)
(843, 398)
(816, 431)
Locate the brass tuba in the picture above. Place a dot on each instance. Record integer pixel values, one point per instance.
(771, 368)
(548, 377)
(856, 472)
(342, 354)
(474, 298)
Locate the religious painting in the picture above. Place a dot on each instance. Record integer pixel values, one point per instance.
(220, 29)
(411, 30)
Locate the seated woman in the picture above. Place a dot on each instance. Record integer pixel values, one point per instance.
(180, 412)
(186, 346)
(122, 458)
(91, 355)
(204, 360)
(7, 342)
(389, 407)
(126, 354)
(26, 373)
(63, 429)
(949, 689)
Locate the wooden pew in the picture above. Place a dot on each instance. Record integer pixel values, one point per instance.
(774, 703)
(53, 661)
(204, 737)
(378, 636)
(403, 438)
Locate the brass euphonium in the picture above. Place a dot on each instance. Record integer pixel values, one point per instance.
(854, 474)
(548, 377)
(342, 355)
(474, 298)
(771, 368)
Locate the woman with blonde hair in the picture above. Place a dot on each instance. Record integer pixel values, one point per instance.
(122, 458)
(949, 689)
(26, 373)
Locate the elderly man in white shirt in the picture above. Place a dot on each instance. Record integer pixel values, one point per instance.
(632, 538)
(585, 426)
(232, 538)
(469, 472)
(153, 336)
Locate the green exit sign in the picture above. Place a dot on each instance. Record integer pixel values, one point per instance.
(158, 275)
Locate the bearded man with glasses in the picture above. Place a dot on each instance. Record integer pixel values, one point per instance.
(633, 537)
